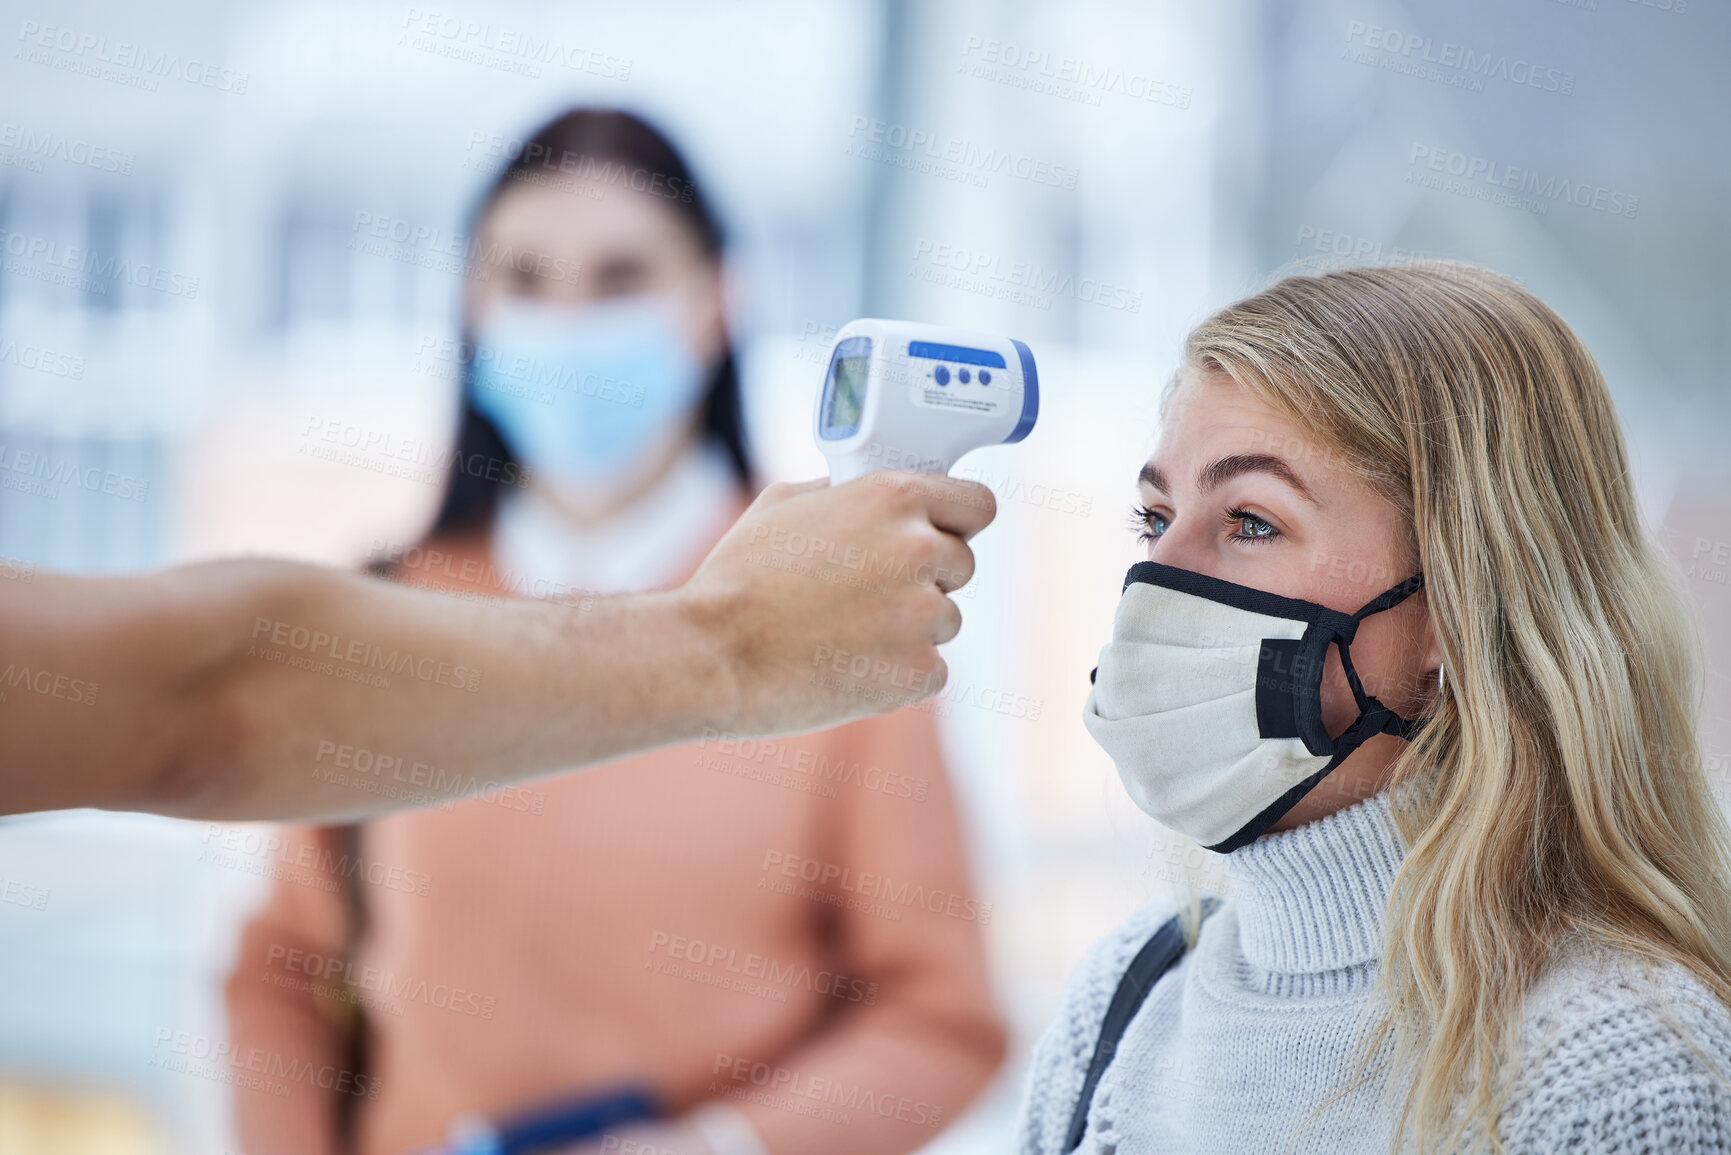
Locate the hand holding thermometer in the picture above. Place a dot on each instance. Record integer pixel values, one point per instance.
(904, 395)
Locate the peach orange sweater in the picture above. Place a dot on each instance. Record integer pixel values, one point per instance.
(787, 926)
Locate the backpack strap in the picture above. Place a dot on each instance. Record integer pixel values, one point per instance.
(357, 1038)
(1157, 956)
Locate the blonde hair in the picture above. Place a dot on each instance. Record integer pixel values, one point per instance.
(1557, 794)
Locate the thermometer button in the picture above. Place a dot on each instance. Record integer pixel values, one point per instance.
(985, 376)
(942, 374)
(962, 375)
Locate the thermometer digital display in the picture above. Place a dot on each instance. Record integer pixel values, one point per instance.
(906, 395)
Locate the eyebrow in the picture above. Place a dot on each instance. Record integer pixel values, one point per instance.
(1217, 473)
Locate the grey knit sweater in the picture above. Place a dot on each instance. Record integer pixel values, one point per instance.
(1240, 1040)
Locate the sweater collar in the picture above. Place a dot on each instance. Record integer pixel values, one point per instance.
(1312, 898)
(654, 542)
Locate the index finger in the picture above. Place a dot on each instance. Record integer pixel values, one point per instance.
(953, 505)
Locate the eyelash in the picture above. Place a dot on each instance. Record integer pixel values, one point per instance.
(1142, 518)
(1141, 522)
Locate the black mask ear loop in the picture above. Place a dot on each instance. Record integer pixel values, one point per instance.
(1374, 716)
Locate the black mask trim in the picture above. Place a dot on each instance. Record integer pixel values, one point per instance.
(1289, 675)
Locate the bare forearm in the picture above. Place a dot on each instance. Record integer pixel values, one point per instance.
(449, 696)
(257, 689)
(271, 690)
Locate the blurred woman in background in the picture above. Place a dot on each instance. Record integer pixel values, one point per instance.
(775, 944)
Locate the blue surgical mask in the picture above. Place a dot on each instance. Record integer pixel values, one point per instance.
(580, 394)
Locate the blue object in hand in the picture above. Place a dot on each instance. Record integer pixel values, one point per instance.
(553, 1125)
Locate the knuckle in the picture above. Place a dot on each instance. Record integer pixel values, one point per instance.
(982, 498)
(931, 561)
(940, 674)
(902, 498)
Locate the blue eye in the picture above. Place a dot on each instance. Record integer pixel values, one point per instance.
(1147, 523)
(1249, 526)
(1150, 524)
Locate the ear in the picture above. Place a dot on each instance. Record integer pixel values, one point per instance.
(1429, 644)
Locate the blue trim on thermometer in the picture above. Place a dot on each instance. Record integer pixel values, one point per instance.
(1030, 394)
(934, 351)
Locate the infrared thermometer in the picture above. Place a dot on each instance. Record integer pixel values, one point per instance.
(904, 395)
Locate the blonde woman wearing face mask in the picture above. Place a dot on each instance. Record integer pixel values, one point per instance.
(1403, 653)
(727, 948)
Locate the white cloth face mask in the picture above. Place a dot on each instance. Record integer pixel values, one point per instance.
(1209, 700)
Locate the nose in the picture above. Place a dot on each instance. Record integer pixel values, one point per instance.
(1185, 549)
